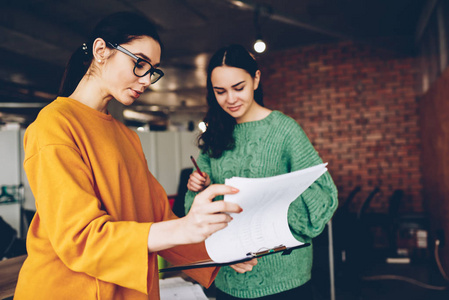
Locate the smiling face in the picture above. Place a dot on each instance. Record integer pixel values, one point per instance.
(234, 91)
(118, 73)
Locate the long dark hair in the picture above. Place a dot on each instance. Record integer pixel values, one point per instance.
(120, 28)
(220, 125)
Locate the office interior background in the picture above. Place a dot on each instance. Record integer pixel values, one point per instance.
(367, 80)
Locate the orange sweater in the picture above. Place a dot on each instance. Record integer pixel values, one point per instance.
(95, 201)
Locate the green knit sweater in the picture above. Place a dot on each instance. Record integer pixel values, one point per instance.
(272, 146)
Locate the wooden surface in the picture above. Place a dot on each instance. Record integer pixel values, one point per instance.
(9, 272)
(434, 111)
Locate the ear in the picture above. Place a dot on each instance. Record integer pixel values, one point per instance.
(99, 50)
(256, 79)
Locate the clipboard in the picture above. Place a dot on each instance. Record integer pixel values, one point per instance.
(210, 263)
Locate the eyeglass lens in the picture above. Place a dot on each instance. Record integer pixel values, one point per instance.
(142, 68)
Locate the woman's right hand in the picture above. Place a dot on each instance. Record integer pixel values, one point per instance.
(198, 182)
(207, 216)
(204, 218)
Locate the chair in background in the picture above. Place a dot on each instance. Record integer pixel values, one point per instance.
(10, 244)
(345, 207)
(361, 213)
(343, 221)
(392, 225)
(353, 243)
(364, 254)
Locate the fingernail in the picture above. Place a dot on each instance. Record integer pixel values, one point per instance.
(234, 189)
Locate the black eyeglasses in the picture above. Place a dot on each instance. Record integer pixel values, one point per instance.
(142, 67)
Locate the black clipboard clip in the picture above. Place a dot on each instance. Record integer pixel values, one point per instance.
(280, 248)
(250, 255)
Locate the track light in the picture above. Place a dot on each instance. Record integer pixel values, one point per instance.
(259, 45)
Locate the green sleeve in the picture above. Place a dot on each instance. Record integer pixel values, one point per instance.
(309, 213)
(203, 162)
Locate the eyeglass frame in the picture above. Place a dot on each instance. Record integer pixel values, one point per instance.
(152, 69)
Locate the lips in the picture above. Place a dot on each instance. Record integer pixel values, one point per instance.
(135, 94)
(234, 108)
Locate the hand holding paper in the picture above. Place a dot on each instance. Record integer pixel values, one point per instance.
(207, 217)
(262, 228)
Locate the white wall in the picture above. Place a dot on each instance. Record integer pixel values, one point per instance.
(10, 157)
(167, 153)
(10, 176)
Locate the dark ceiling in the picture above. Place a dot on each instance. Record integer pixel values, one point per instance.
(38, 36)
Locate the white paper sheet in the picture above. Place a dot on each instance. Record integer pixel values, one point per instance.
(263, 223)
(177, 288)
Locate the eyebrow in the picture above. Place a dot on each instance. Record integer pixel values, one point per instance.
(147, 58)
(216, 87)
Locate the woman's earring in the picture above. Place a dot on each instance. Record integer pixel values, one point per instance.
(99, 60)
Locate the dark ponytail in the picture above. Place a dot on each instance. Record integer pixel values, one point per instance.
(120, 28)
(218, 136)
(74, 71)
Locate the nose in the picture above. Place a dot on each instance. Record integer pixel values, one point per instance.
(232, 98)
(145, 80)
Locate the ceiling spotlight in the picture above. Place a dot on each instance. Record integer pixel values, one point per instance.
(259, 46)
(238, 3)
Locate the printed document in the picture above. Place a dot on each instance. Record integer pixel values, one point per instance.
(263, 223)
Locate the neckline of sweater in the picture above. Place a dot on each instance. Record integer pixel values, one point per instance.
(260, 122)
(87, 109)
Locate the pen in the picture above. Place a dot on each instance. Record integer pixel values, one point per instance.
(196, 166)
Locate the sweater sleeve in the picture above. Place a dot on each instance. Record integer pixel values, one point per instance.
(192, 253)
(203, 162)
(184, 254)
(82, 234)
(310, 212)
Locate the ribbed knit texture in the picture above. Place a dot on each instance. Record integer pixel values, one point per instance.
(272, 146)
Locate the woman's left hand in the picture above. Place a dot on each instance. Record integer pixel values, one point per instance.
(245, 266)
(198, 182)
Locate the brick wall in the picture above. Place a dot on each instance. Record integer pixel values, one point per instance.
(358, 105)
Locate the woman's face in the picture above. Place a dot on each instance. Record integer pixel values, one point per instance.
(118, 73)
(234, 91)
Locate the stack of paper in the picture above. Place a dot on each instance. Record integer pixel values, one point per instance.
(263, 224)
(177, 288)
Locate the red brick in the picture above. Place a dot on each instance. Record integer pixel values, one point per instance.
(357, 103)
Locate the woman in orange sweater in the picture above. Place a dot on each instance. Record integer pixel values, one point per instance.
(101, 217)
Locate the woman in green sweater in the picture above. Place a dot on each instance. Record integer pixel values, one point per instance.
(245, 139)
